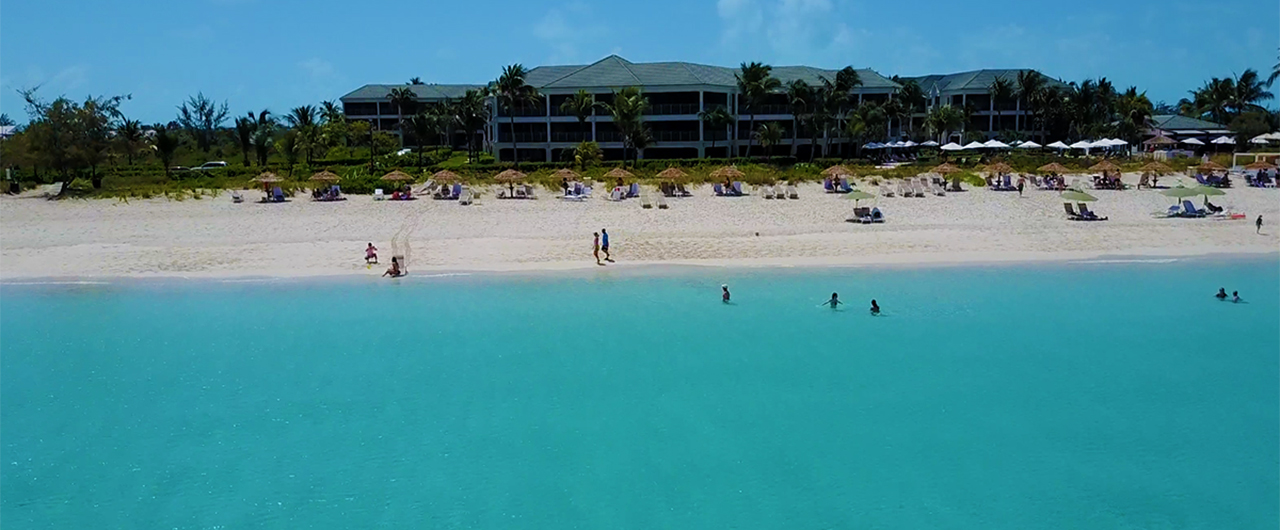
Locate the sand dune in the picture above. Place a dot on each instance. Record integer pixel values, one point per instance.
(215, 237)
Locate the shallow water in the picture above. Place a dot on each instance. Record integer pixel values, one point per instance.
(1103, 395)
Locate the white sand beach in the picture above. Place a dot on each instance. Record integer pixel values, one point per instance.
(217, 238)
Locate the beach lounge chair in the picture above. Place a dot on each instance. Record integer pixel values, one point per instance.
(904, 189)
(861, 215)
(378, 195)
(277, 195)
(844, 185)
(767, 191)
(877, 216)
(886, 190)
(236, 197)
(792, 191)
(1201, 180)
(662, 202)
(719, 189)
(1088, 215)
(1071, 212)
(645, 201)
(617, 194)
(738, 190)
(828, 185)
(1190, 210)
(634, 191)
(465, 197)
(991, 184)
(918, 189)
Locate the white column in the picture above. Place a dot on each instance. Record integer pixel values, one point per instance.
(702, 144)
(548, 118)
(991, 119)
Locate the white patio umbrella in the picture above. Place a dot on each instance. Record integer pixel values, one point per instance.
(974, 145)
(1028, 145)
(1059, 145)
(995, 144)
(909, 143)
(1192, 141)
(1223, 140)
(930, 143)
(1081, 145)
(952, 146)
(1258, 140)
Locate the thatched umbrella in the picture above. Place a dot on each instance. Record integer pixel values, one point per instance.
(1260, 165)
(1054, 169)
(619, 173)
(837, 171)
(445, 175)
(728, 173)
(566, 173)
(1157, 168)
(267, 177)
(999, 168)
(1211, 166)
(510, 175)
(1105, 166)
(945, 169)
(1160, 140)
(397, 176)
(325, 176)
(673, 174)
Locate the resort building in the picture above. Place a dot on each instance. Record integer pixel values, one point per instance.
(677, 92)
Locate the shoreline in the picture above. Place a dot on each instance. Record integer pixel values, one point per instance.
(652, 269)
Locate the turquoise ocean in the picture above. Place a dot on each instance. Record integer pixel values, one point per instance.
(1068, 395)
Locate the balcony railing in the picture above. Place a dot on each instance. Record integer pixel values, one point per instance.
(505, 137)
(669, 109)
(674, 136)
(573, 137)
(521, 112)
(764, 109)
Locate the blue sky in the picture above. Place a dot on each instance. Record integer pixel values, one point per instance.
(278, 54)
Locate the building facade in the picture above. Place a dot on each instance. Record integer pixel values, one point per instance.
(677, 93)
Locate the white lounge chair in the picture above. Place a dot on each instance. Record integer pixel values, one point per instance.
(465, 198)
(919, 189)
(645, 201)
(767, 191)
(886, 190)
(617, 194)
(792, 191)
(236, 197)
(378, 195)
(662, 202)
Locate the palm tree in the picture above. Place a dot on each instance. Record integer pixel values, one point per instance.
(838, 95)
(415, 81)
(718, 119)
(1134, 111)
(165, 144)
(131, 138)
(304, 120)
(580, 105)
(423, 125)
(866, 121)
(403, 98)
(471, 112)
(288, 146)
(1031, 88)
(263, 135)
(769, 134)
(627, 110)
(1275, 73)
(755, 83)
(944, 119)
(1001, 91)
(443, 122)
(799, 98)
(513, 91)
(913, 100)
(336, 130)
(244, 135)
(1249, 93)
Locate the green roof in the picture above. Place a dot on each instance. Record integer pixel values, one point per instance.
(616, 72)
(975, 80)
(1175, 122)
(425, 92)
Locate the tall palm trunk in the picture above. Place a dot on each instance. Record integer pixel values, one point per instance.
(515, 144)
(751, 133)
(795, 136)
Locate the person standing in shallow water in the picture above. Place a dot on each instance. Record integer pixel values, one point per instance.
(834, 301)
(875, 308)
(724, 296)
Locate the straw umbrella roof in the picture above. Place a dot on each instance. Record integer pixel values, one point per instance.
(1157, 167)
(946, 169)
(1055, 168)
(999, 168)
(267, 177)
(619, 173)
(1104, 166)
(445, 175)
(1160, 140)
(1211, 166)
(727, 172)
(566, 173)
(1259, 165)
(509, 175)
(672, 173)
(837, 171)
(326, 176)
(397, 175)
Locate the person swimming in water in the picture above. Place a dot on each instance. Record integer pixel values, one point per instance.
(875, 308)
(1222, 293)
(1235, 296)
(834, 301)
(724, 296)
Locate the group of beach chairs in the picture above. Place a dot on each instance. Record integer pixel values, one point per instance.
(1001, 183)
(779, 191)
(1189, 210)
(576, 191)
(621, 192)
(1262, 180)
(734, 189)
(866, 215)
(1213, 181)
(1106, 182)
(518, 191)
(445, 192)
(1083, 215)
(329, 194)
(275, 195)
(673, 189)
(910, 187)
(840, 185)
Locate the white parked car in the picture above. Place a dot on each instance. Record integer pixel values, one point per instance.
(216, 164)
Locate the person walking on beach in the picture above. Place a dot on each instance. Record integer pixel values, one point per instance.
(1022, 182)
(370, 254)
(604, 245)
(595, 247)
(1258, 225)
(724, 296)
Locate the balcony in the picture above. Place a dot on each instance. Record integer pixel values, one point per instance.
(608, 136)
(570, 137)
(674, 136)
(505, 137)
(523, 112)
(764, 110)
(672, 109)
